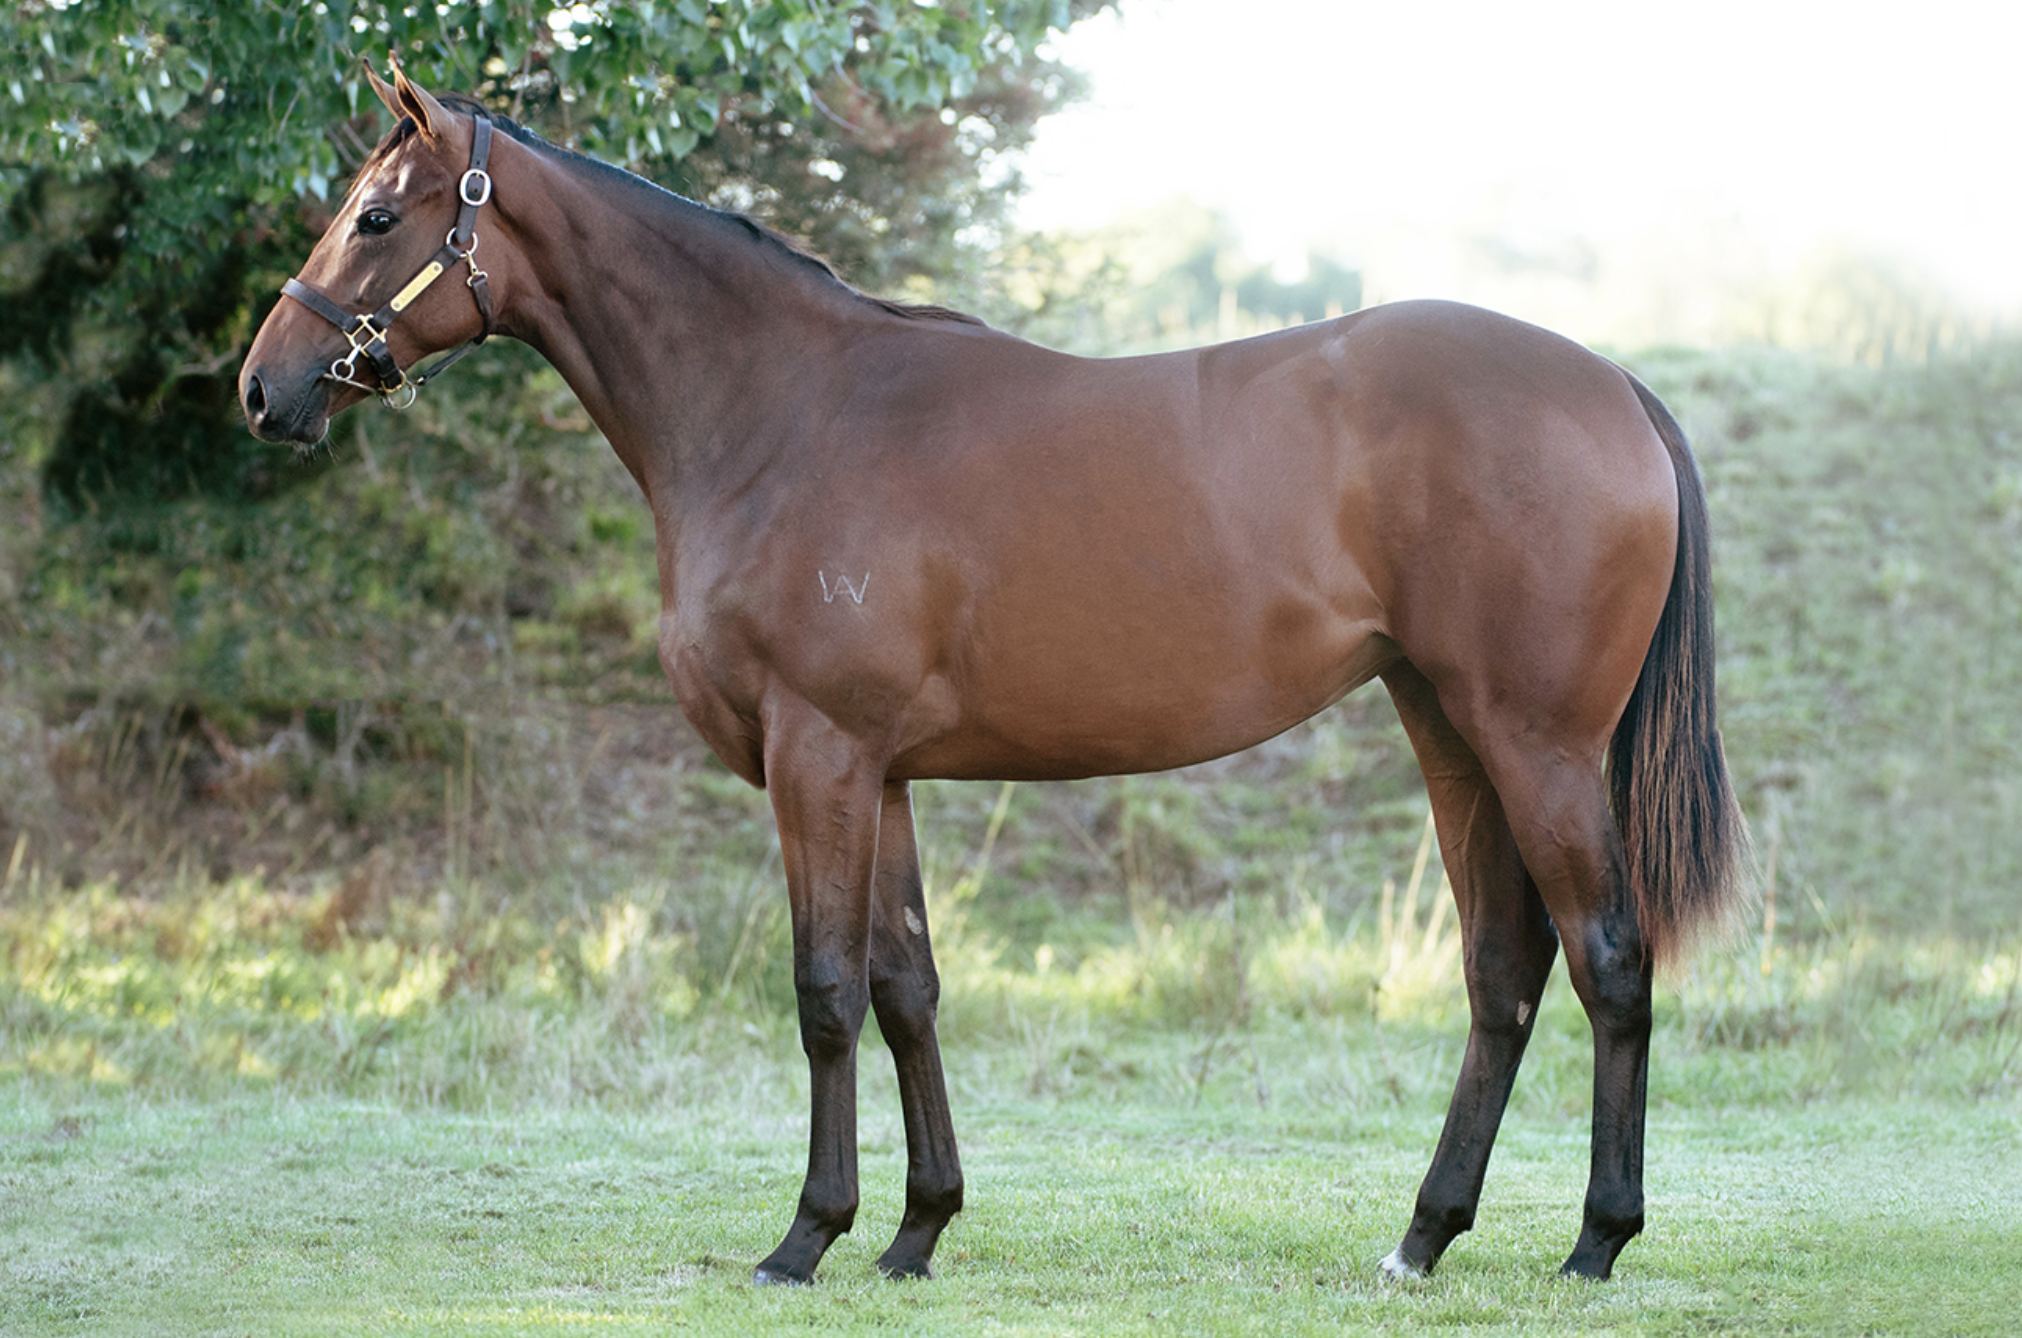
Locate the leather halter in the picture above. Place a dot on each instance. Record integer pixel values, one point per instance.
(367, 333)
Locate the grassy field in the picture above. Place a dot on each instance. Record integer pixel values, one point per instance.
(1211, 1127)
(1090, 1214)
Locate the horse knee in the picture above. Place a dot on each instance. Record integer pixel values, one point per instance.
(832, 1011)
(1506, 982)
(934, 1191)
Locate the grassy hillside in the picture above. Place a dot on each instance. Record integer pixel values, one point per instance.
(1869, 566)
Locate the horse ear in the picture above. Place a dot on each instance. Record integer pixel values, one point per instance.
(380, 87)
(430, 117)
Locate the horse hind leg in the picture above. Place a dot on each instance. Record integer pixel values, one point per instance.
(905, 993)
(1508, 946)
(1562, 823)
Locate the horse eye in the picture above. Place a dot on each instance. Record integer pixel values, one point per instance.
(376, 222)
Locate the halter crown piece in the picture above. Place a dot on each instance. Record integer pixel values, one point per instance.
(367, 333)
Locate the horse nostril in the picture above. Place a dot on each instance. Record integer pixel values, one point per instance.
(256, 397)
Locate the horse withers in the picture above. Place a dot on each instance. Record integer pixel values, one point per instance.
(897, 544)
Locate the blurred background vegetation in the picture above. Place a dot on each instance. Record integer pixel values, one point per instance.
(403, 692)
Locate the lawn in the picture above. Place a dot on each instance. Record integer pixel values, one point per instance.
(1835, 1146)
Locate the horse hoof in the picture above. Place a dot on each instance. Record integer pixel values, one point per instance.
(1587, 1268)
(1399, 1269)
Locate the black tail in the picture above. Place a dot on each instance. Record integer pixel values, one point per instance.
(1682, 831)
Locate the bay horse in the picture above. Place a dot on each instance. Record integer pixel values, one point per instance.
(895, 543)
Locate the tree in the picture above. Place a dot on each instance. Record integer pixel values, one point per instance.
(165, 163)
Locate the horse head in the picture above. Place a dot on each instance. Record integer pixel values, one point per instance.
(367, 305)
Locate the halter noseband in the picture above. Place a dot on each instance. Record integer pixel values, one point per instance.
(367, 333)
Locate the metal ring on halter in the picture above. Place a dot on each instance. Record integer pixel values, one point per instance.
(386, 397)
(345, 370)
(463, 187)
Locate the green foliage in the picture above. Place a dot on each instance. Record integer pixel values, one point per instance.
(239, 101)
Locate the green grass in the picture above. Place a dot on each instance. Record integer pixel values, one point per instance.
(265, 1213)
(208, 1126)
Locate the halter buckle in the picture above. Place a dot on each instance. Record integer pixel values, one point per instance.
(474, 187)
(363, 336)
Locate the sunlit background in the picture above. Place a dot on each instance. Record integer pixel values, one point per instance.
(1730, 169)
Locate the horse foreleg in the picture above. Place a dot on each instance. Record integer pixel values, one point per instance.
(826, 799)
(1507, 951)
(906, 992)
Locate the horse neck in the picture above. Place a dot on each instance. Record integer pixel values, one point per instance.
(670, 321)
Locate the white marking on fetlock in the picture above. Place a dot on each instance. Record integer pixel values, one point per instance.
(1401, 1269)
(913, 923)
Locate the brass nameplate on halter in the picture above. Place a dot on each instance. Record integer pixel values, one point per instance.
(416, 285)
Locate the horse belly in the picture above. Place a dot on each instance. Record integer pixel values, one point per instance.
(1093, 668)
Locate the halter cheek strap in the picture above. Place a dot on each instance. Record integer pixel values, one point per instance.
(366, 332)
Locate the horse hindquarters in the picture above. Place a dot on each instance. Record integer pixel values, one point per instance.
(1529, 748)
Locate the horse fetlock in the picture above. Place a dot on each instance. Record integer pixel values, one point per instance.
(932, 1200)
(826, 1215)
(1435, 1221)
(1618, 1221)
(1602, 1236)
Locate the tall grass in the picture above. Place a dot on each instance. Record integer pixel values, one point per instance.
(469, 998)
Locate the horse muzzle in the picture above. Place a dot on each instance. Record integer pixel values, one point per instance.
(281, 412)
